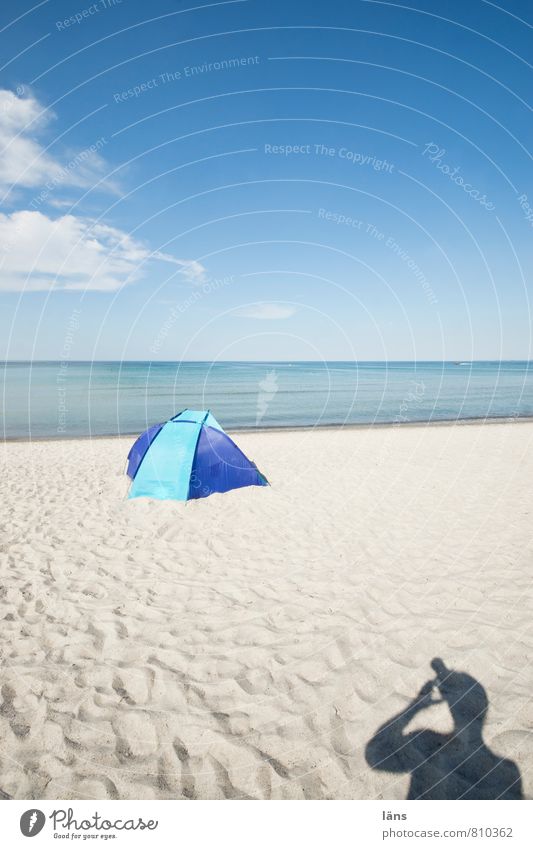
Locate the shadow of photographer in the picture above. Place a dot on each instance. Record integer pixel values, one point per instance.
(458, 765)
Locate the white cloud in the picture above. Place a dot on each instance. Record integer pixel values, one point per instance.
(24, 162)
(38, 253)
(191, 269)
(69, 252)
(266, 311)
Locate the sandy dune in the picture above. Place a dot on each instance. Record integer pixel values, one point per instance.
(251, 644)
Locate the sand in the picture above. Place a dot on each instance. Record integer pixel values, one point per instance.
(249, 645)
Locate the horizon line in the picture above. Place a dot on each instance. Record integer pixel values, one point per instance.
(256, 362)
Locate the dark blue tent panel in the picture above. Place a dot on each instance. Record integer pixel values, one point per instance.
(188, 457)
(219, 465)
(140, 447)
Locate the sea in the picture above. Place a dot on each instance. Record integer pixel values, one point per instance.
(74, 399)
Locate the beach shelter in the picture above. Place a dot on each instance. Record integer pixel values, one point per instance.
(190, 456)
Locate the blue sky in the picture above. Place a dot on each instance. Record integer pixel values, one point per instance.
(252, 180)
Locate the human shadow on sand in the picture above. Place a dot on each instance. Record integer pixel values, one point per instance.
(457, 765)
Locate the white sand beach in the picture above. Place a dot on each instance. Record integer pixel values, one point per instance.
(249, 645)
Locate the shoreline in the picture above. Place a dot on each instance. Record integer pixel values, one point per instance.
(492, 420)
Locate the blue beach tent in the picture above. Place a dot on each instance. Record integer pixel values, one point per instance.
(189, 456)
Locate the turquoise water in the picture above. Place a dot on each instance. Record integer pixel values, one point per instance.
(46, 399)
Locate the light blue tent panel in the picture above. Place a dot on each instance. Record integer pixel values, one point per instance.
(190, 416)
(166, 469)
(204, 416)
